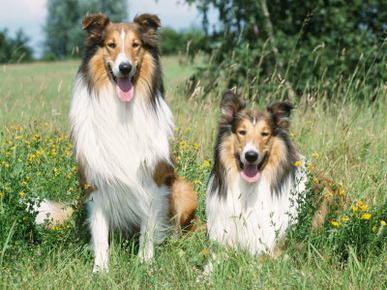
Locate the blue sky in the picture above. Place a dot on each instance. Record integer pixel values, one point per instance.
(30, 15)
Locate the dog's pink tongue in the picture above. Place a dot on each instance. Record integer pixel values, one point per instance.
(250, 173)
(124, 89)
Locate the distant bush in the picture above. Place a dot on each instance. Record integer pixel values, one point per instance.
(185, 42)
(14, 50)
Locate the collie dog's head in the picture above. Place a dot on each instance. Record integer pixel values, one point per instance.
(252, 142)
(125, 54)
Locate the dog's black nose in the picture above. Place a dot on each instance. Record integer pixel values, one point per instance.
(251, 156)
(125, 68)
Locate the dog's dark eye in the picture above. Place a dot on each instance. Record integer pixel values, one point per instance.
(264, 134)
(242, 132)
(111, 45)
(135, 44)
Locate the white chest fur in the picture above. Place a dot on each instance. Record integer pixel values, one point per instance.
(119, 144)
(250, 216)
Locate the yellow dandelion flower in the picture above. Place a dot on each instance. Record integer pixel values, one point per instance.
(24, 218)
(1, 194)
(329, 195)
(75, 168)
(374, 228)
(198, 181)
(291, 134)
(366, 216)
(383, 223)
(206, 163)
(354, 208)
(189, 129)
(6, 165)
(309, 121)
(336, 224)
(363, 207)
(18, 137)
(316, 155)
(53, 228)
(19, 160)
(7, 154)
(24, 182)
(344, 219)
(297, 163)
(46, 124)
(195, 146)
(341, 191)
(315, 180)
(56, 173)
(204, 252)
(22, 194)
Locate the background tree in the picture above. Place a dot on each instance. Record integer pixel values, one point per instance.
(14, 50)
(298, 41)
(64, 36)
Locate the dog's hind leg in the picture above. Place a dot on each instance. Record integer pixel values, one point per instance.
(99, 229)
(182, 204)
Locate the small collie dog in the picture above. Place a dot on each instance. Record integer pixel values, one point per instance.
(120, 129)
(254, 186)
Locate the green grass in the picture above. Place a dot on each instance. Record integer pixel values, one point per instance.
(347, 141)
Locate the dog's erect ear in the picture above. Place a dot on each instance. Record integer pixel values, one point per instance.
(95, 25)
(229, 106)
(281, 113)
(149, 24)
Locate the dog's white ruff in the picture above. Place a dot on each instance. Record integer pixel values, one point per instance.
(120, 145)
(250, 216)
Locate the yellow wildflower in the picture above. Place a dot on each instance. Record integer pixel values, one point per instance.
(291, 134)
(195, 146)
(206, 163)
(336, 224)
(344, 219)
(189, 129)
(383, 223)
(374, 228)
(198, 181)
(366, 216)
(22, 194)
(329, 194)
(354, 208)
(1, 194)
(315, 180)
(204, 252)
(341, 191)
(298, 163)
(316, 155)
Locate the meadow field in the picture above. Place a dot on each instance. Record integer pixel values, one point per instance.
(342, 137)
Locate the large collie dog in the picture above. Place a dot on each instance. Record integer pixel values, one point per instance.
(120, 128)
(257, 177)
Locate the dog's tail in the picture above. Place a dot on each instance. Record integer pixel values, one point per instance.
(51, 211)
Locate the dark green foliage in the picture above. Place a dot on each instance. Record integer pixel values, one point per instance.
(14, 50)
(185, 42)
(296, 43)
(64, 36)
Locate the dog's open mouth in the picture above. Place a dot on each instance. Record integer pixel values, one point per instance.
(124, 87)
(251, 172)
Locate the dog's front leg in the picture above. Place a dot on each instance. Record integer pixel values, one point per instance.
(147, 242)
(99, 229)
